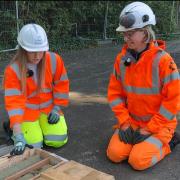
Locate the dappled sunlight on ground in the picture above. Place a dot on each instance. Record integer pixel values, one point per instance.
(82, 98)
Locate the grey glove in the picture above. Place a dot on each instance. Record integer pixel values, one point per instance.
(138, 137)
(19, 144)
(126, 135)
(53, 117)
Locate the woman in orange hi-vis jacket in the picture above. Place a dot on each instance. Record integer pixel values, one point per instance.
(36, 88)
(143, 92)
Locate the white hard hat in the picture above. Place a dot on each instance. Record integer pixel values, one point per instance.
(33, 38)
(135, 15)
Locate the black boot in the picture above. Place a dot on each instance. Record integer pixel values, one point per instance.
(8, 131)
(174, 141)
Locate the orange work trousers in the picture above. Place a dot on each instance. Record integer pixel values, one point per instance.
(142, 155)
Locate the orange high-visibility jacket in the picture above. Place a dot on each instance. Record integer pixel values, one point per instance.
(28, 108)
(146, 93)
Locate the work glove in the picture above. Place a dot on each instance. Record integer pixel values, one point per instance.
(139, 136)
(19, 145)
(126, 135)
(53, 117)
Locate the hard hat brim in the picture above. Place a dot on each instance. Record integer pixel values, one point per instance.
(36, 49)
(123, 29)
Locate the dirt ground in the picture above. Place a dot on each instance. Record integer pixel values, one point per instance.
(89, 117)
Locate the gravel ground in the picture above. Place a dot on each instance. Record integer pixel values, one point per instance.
(90, 119)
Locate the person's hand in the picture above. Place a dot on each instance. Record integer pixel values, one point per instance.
(53, 117)
(140, 135)
(19, 144)
(126, 133)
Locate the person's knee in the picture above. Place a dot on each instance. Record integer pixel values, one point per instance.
(138, 160)
(114, 154)
(56, 144)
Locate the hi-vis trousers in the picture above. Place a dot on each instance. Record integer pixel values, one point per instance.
(36, 132)
(143, 155)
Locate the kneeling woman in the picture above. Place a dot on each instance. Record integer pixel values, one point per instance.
(36, 88)
(143, 92)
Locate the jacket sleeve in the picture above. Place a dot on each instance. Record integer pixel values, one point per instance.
(61, 84)
(170, 105)
(14, 99)
(116, 95)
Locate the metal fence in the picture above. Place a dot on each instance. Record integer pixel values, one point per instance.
(9, 26)
(100, 27)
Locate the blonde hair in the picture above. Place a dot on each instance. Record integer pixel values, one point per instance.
(21, 59)
(150, 35)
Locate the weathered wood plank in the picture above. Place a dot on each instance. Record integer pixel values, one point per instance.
(28, 169)
(4, 149)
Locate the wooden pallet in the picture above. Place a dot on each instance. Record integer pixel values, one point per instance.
(73, 171)
(37, 164)
(4, 149)
(30, 164)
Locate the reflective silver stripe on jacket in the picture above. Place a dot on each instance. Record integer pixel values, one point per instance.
(61, 95)
(39, 106)
(164, 112)
(15, 112)
(53, 62)
(44, 90)
(141, 118)
(158, 144)
(116, 102)
(32, 94)
(155, 77)
(15, 67)
(55, 137)
(12, 92)
(63, 77)
(170, 77)
(114, 71)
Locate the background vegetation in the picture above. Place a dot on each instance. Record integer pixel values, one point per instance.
(78, 24)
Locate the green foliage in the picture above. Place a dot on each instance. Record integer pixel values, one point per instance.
(59, 17)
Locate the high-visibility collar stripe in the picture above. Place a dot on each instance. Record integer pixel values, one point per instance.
(55, 137)
(15, 112)
(15, 67)
(12, 92)
(163, 111)
(171, 77)
(155, 77)
(53, 62)
(116, 102)
(39, 106)
(141, 118)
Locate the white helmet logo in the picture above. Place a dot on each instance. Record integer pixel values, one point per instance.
(38, 40)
